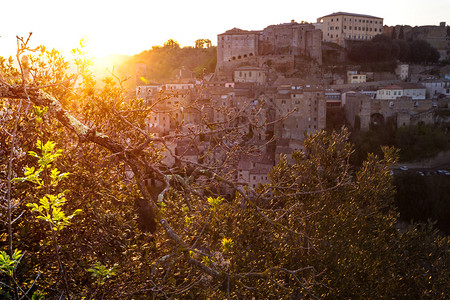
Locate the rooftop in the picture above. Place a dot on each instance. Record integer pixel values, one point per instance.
(403, 85)
(239, 31)
(340, 13)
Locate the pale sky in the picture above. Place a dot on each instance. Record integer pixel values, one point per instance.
(132, 26)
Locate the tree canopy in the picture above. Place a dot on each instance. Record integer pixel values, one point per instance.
(383, 48)
(93, 209)
(163, 62)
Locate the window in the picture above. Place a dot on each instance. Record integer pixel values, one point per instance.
(345, 27)
(350, 27)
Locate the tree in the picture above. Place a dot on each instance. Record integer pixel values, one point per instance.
(171, 44)
(393, 34)
(401, 35)
(203, 43)
(187, 229)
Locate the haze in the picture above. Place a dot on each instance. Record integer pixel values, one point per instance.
(130, 27)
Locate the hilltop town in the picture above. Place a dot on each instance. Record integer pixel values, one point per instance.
(278, 84)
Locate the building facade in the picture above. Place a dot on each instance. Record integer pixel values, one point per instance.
(392, 92)
(275, 46)
(340, 27)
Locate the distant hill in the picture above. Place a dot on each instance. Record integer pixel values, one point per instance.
(162, 63)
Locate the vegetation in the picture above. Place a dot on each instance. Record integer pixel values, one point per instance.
(384, 49)
(162, 62)
(415, 142)
(123, 223)
(424, 198)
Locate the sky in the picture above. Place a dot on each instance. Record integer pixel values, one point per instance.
(132, 26)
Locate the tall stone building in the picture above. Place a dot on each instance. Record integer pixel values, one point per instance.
(340, 27)
(275, 46)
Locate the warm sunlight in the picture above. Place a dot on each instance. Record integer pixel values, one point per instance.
(224, 150)
(116, 27)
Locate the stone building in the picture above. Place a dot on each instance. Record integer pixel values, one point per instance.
(275, 46)
(437, 88)
(391, 92)
(250, 74)
(404, 111)
(174, 105)
(300, 107)
(291, 39)
(357, 110)
(355, 77)
(340, 27)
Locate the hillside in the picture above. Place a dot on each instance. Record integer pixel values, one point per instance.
(162, 62)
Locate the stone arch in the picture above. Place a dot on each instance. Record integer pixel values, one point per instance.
(377, 119)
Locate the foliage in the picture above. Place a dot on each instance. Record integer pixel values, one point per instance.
(421, 141)
(423, 198)
(189, 230)
(102, 273)
(49, 208)
(202, 43)
(382, 48)
(415, 142)
(163, 62)
(7, 263)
